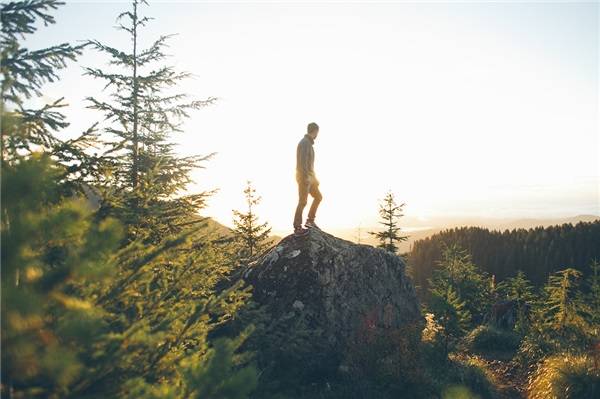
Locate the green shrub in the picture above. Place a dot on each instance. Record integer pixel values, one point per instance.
(434, 347)
(467, 376)
(542, 341)
(533, 348)
(487, 338)
(565, 376)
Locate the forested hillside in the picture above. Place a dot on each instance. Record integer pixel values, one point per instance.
(537, 252)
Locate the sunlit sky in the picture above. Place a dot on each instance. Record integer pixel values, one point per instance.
(486, 109)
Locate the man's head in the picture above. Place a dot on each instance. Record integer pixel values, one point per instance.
(312, 130)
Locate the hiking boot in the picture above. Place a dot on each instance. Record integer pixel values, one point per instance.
(299, 231)
(310, 224)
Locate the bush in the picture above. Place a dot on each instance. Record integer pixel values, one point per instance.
(533, 348)
(466, 378)
(565, 376)
(541, 342)
(433, 342)
(487, 338)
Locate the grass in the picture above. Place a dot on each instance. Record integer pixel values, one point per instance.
(565, 376)
(493, 342)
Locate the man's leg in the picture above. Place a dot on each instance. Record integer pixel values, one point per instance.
(317, 197)
(302, 200)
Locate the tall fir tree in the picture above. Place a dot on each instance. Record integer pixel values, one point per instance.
(390, 213)
(252, 236)
(171, 298)
(148, 178)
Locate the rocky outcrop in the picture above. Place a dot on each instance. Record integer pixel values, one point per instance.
(343, 287)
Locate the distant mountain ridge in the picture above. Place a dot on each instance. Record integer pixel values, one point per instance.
(529, 223)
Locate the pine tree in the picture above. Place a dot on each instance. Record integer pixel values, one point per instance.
(451, 313)
(144, 113)
(81, 312)
(520, 290)
(24, 72)
(253, 236)
(49, 246)
(517, 288)
(593, 297)
(457, 271)
(562, 306)
(390, 213)
(166, 291)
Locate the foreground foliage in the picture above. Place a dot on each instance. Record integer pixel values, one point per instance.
(565, 376)
(80, 311)
(95, 304)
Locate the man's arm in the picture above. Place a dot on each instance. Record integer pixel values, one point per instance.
(303, 151)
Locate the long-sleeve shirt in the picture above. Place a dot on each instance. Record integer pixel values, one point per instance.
(305, 159)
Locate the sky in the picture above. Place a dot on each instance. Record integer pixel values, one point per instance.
(474, 109)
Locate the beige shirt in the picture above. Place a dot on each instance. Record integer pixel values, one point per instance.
(305, 160)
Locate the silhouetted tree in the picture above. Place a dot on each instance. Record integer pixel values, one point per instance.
(390, 213)
(252, 235)
(148, 177)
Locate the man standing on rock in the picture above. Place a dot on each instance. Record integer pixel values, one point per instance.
(307, 181)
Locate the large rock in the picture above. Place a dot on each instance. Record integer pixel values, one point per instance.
(342, 286)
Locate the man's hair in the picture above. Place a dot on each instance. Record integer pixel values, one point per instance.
(312, 126)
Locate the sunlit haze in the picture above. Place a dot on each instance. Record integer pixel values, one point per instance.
(461, 109)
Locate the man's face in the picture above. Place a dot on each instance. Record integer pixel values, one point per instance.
(314, 133)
